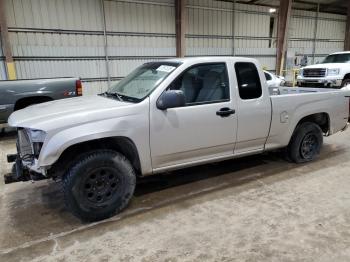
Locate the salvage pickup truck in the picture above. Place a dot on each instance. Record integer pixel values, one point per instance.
(333, 72)
(167, 115)
(18, 94)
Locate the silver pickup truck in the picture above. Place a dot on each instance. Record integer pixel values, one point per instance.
(167, 115)
(18, 94)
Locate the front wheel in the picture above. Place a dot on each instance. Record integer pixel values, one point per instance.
(306, 143)
(99, 185)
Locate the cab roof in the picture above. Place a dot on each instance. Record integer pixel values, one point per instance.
(200, 59)
(342, 52)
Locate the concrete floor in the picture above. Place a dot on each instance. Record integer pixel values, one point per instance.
(258, 208)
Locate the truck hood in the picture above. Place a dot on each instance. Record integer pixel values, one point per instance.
(66, 112)
(329, 66)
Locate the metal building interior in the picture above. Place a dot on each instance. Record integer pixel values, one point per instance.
(102, 41)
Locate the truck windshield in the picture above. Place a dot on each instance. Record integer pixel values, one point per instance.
(142, 81)
(337, 58)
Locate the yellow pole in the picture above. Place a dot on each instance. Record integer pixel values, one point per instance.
(11, 71)
(10, 65)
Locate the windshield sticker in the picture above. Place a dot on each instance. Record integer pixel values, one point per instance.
(166, 68)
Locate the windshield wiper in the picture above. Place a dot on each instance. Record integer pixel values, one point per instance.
(113, 95)
(122, 97)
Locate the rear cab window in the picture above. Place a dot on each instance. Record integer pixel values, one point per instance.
(249, 85)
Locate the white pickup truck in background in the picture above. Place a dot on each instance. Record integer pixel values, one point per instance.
(167, 115)
(333, 72)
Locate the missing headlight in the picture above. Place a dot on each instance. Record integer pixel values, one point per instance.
(36, 135)
(37, 148)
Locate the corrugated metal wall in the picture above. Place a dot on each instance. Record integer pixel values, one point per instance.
(138, 31)
(57, 38)
(328, 34)
(222, 28)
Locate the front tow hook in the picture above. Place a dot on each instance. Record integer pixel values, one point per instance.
(11, 158)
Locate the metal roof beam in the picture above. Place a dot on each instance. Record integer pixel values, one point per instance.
(284, 14)
(347, 30)
(180, 24)
(6, 46)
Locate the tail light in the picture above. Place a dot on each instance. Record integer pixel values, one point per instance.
(78, 88)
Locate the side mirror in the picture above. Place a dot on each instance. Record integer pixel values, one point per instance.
(171, 99)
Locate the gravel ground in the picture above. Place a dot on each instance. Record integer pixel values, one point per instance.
(258, 208)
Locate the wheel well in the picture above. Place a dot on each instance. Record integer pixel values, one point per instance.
(320, 119)
(27, 101)
(347, 76)
(121, 144)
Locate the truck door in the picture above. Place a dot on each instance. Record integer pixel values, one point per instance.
(254, 108)
(205, 128)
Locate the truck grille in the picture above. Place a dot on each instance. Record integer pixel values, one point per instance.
(24, 146)
(314, 72)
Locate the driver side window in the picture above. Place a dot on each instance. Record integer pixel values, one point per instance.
(205, 83)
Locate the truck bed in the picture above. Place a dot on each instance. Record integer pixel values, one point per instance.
(298, 90)
(291, 104)
(303, 90)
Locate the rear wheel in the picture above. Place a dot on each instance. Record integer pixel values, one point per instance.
(345, 82)
(99, 185)
(306, 143)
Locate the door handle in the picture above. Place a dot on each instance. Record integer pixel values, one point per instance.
(225, 111)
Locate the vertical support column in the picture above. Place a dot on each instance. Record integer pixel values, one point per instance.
(180, 23)
(103, 11)
(233, 27)
(315, 34)
(10, 65)
(347, 31)
(282, 33)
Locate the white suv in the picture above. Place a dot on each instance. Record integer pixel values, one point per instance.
(334, 71)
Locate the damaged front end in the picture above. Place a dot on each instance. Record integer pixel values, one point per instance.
(25, 167)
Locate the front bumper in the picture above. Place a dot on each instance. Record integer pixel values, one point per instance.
(319, 82)
(20, 172)
(25, 165)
